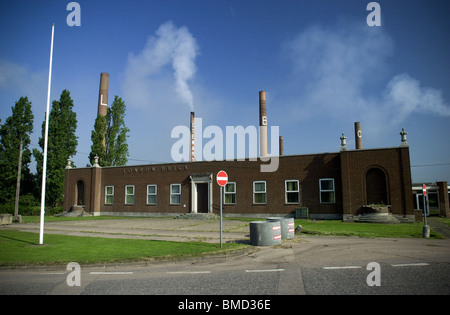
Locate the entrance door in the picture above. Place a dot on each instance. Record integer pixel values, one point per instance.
(80, 193)
(201, 193)
(202, 198)
(376, 188)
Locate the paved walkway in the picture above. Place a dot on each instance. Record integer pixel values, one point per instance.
(147, 228)
(439, 227)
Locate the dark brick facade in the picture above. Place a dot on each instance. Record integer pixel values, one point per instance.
(394, 168)
(332, 185)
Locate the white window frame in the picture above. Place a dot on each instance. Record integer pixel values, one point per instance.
(127, 195)
(260, 192)
(109, 195)
(286, 191)
(327, 190)
(152, 194)
(229, 193)
(175, 194)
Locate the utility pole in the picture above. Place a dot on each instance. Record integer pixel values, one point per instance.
(19, 173)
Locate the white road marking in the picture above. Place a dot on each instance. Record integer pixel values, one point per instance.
(412, 264)
(343, 267)
(188, 272)
(53, 273)
(111, 273)
(264, 270)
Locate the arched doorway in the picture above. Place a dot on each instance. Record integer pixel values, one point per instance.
(376, 187)
(80, 193)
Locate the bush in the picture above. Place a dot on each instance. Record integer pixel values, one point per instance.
(27, 210)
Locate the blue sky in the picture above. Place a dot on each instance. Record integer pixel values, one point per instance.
(321, 65)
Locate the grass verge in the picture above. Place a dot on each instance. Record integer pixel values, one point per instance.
(446, 221)
(21, 248)
(340, 228)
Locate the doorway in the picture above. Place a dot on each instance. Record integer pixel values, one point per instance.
(201, 193)
(376, 187)
(202, 198)
(80, 193)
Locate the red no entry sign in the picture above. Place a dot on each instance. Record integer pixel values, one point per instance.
(222, 178)
(424, 189)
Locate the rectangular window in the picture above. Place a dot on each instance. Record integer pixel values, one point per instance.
(326, 186)
(230, 193)
(259, 192)
(292, 191)
(129, 195)
(151, 194)
(175, 194)
(109, 195)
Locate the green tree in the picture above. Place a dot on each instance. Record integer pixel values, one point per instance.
(109, 137)
(62, 144)
(16, 129)
(98, 141)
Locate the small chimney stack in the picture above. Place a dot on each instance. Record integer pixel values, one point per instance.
(192, 152)
(358, 136)
(103, 94)
(263, 138)
(343, 142)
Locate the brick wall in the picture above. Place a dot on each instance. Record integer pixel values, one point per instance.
(347, 169)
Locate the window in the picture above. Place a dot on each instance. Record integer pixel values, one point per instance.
(151, 194)
(230, 193)
(109, 195)
(259, 192)
(129, 195)
(326, 186)
(292, 191)
(175, 194)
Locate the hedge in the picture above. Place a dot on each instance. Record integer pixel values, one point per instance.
(30, 210)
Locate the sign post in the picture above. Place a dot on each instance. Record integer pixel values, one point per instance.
(426, 228)
(222, 180)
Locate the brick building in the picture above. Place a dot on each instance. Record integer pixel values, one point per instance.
(331, 185)
(438, 196)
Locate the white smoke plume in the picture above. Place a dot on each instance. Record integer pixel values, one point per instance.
(407, 96)
(170, 46)
(342, 64)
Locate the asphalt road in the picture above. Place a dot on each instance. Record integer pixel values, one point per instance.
(307, 265)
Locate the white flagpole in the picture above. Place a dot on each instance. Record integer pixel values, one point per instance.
(44, 167)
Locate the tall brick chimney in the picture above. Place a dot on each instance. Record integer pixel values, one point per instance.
(263, 138)
(192, 151)
(103, 94)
